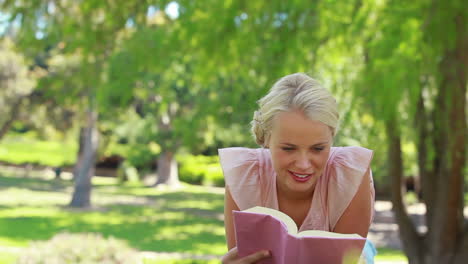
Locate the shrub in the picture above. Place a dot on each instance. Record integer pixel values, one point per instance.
(79, 248)
(200, 169)
(139, 156)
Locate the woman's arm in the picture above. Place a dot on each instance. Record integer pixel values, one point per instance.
(229, 205)
(357, 217)
(231, 257)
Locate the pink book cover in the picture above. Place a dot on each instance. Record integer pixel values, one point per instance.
(255, 231)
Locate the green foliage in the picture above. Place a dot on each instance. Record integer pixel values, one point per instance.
(16, 83)
(139, 156)
(15, 78)
(86, 248)
(199, 169)
(131, 137)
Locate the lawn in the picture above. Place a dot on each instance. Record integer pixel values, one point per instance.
(20, 149)
(186, 221)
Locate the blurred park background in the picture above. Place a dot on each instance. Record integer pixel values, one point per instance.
(112, 111)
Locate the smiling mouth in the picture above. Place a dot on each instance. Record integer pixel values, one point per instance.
(300, 177)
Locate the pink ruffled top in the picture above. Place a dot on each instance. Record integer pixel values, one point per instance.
(252, 182)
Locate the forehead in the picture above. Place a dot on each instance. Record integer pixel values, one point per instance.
(295, 127)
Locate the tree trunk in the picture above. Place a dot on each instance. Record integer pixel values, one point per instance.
(447, 230)
(446, 240)
(457, 77)
(412, 241)
(424, 139)
(167, 170)
(86, 163)
(168, 173)
(79, 154)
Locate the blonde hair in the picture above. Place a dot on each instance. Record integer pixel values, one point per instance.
(296, 91)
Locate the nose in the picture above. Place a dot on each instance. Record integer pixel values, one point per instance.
(303, 162)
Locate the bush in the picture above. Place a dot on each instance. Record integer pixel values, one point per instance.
(79, 248)
(140, 157)
(200, 169)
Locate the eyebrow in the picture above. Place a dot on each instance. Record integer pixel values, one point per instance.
(314, 145)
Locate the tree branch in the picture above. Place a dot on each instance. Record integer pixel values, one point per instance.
(15, 111)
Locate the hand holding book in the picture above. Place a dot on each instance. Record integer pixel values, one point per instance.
(261, 228)
(232, 257)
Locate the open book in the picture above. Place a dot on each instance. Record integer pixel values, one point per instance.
(261, 228)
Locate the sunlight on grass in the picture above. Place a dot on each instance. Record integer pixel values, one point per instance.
(188, 230)
(104, 181)
(11, 242)
(197, 204)
(217, 249)
(22, 212)
(184, 220)
(7, 258)
(388, 254)
(19, 150)
(21, 197)
(188, 261)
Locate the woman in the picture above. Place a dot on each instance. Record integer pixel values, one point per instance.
(297, 171)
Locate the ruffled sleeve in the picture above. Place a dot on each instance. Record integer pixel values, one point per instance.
(241, 174)
(348, 167)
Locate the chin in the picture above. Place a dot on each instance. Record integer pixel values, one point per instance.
(301, 187)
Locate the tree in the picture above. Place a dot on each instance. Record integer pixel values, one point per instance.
(86, 30)
(16, 85)
(163, 92)
(415, 60)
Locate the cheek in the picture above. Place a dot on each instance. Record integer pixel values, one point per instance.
(321, 160)
(280, 159)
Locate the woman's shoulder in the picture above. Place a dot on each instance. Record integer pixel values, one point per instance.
(346, 168)
(352, 157)
(242, 151)
(236, 156)
(243, 169)
(243, 164)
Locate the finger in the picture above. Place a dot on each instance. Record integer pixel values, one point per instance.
(231, 255)
(256, 256)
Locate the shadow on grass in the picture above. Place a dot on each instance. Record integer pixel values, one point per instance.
(34, 184)
(187, 234)
(182, 221)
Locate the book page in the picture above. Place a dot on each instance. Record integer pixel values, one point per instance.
(320, 233)
(256, 231)
(290, 224)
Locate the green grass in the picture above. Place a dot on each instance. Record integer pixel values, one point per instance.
(17, 149)
(168, 261)
(7, 257)
(388, 254)
(188, 220)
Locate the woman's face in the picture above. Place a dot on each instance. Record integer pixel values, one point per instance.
(299, 149)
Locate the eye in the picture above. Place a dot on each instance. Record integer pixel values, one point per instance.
(287, 149)
(318, 149)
